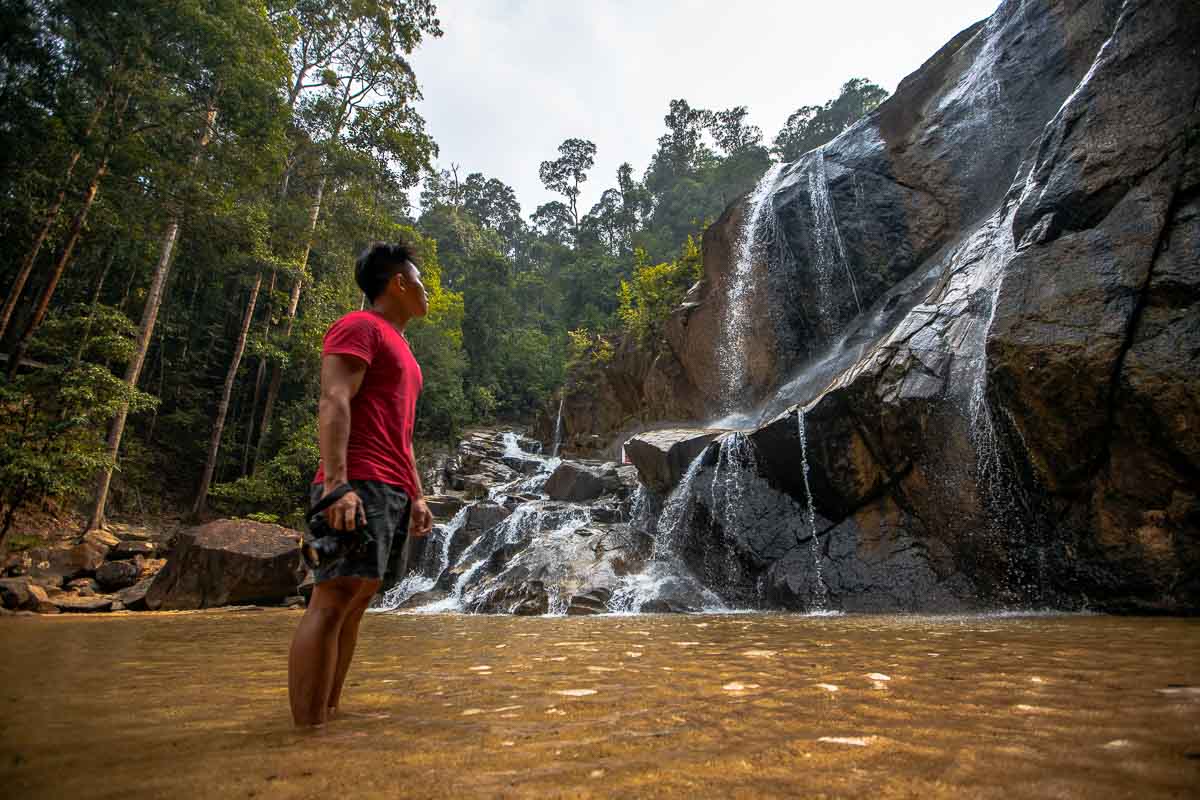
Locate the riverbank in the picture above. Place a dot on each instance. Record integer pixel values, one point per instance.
(762, 705)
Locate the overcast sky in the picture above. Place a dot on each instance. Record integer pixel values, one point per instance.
(511, 79)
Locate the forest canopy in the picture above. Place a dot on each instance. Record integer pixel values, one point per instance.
(185, 185)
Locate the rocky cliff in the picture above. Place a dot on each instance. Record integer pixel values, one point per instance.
(967, 330)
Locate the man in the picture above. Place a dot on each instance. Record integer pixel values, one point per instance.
(369, 387)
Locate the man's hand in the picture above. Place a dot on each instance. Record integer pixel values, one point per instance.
(420, 521)
(345, 514)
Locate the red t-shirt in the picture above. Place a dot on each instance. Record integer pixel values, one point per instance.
(383, 411)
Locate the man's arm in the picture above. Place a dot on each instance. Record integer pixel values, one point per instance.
(420, 518)
(341, 378)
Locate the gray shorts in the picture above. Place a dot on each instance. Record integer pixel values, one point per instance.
(387, 508)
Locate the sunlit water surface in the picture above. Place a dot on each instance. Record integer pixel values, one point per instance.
(195, 705)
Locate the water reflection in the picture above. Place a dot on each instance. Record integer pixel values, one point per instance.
(733, 705)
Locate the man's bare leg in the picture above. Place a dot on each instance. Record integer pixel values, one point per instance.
(313, 659)
(348, 638)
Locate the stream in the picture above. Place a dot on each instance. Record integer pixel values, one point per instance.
(736, 705)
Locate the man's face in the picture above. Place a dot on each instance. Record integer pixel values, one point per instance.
(408, 289)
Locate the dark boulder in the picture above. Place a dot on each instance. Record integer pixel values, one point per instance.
(114, 575)
(575, 483)
(228, 562)
(15, 594)
(133, 598)
(134, 548)
(663, 456)
(444, 506)
(81, 604)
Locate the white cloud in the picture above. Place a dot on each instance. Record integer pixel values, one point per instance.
(511, 79)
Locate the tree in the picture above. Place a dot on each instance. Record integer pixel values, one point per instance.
(359, 98)
(809, 127)
(567, 173)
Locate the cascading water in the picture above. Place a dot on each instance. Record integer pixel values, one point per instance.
(1005, 505)
(736, 466)
(740, 290)
(828, 252)
(666, 568)
(434, 562)
(820, 591)
(558, 428)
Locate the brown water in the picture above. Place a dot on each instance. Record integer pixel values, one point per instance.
(195, 705)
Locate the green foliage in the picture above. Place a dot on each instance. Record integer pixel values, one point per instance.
(586, 349)
(315, 123)
(810, 127)
(657, 289)
(52, 418)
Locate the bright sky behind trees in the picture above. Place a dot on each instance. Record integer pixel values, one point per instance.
(511, 79)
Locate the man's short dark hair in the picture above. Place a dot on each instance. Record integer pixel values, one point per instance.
(379, 262)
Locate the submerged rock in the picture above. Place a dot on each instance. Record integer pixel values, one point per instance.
(228, 562)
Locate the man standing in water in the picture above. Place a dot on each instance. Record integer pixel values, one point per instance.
(369, 388)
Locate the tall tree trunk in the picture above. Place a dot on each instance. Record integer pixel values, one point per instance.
(18, 286)
(60, 266)
(261, 374)
(260, 378)
(214, 443)
(293, 304)
(158, 283)
(95, 301)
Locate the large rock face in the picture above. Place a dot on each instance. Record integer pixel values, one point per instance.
(972, 327)
(228, 562)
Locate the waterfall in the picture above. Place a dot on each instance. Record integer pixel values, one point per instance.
(434, 561)
(733, 345)
(828, 252)
(558, 424)
(666, 570)
(673, 520)
(736, 466)
(1005, 504)
(820, 591)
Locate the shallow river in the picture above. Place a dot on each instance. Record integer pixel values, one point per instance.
(195, 705)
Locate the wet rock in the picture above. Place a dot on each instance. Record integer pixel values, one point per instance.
(607, 512)
(228, 562)
(80, 604)
(101, 538)
(134, 533)
(871, 563)
(1003, 341)
(84, 587)
(444, 506)
(133, 597)
(481, 518)
(114, 575)
(536, 562)
(523, 464)
(663, 456)
(575, 483)
(128, 549)
(15, 593)
(593, 602)
(17, 564)
(473, 487)
(81, 559)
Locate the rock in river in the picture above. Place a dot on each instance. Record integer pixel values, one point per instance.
(226, 562)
